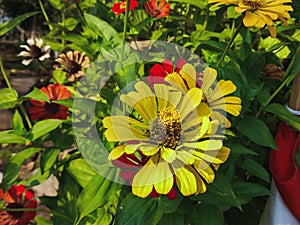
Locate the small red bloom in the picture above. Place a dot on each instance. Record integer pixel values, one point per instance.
(162, 10)
(120, 7)
(17, 197)
(159, 71)
(44, 110)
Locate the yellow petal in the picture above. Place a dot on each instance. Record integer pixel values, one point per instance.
(185, 157)
(190, 102)
(204, 170)
(117, 152)
(209, 77)
(163, 178)
(142, 184)
(175, 80)
(188, 73)
(186, 181)
(168, 154)
(207, 145)
(250, 19)
(149, 150)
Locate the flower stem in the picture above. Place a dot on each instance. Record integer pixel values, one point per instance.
(35, 210)
(237, 31)
(80, 12)
(45, 14)
(125, 26)
(14, 94)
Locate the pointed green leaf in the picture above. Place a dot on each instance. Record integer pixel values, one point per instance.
(8, 100)
(12, 168)
(284, 114)
(17, 124)
(36, 94)
(103, 29)
(135, 210)
(257, 131)
(254, 168)
(8, 136)
(43, 127)
(97, 192)
(16, 21)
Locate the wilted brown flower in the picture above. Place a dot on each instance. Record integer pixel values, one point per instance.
(73, 63)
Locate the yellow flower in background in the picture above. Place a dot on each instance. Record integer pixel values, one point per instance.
(215, 94)
(260, 13)
(178, 138)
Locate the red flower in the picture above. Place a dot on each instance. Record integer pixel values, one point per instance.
(17, 197)
(44, 110)
(130, 164)
(120, 7)
(159, 71)
(162, 10)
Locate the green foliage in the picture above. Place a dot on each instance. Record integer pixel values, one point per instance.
(8, 98)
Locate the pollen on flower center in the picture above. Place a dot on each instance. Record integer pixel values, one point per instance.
(254, 4)
(166, 128)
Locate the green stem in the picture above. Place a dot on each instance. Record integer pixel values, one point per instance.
(238, 29)
(14, 94)
(62, 30)
(125, 27)
(25, 115)
(35, 210)
(6, 79)
(45, 14)
(80, 12)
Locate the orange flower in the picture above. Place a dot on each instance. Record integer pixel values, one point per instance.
(44, 110)
(17, 197)
(162, 10)
(120, 7)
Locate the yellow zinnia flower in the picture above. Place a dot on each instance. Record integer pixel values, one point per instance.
(260, 13)
(181, 147)
(214, 95)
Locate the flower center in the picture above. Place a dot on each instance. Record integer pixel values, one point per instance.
(166, 128)
(35, 52)
(14, 205)
(73, 67)
(52, 108)
(254, 4)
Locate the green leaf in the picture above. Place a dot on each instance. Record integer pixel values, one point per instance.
(284, 114)
(220, 193)
(43, 127)
(16, 21)
(103, 29)
(81, 171)
(297, 158)
(42, 221)
(237, 148)
(8, 136)
(57, 4)
(97, 192)
(170, 206)
(231, 13)
(36, 94)
(8, 100)
(254, 168)
(70, 23)
(209, 215)
(257, 131)
(172, 219)
(247, 190)
(201, 4)
(12, 168)
(135, 210)
(59, 76)
(17, 124)
(48, 159)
